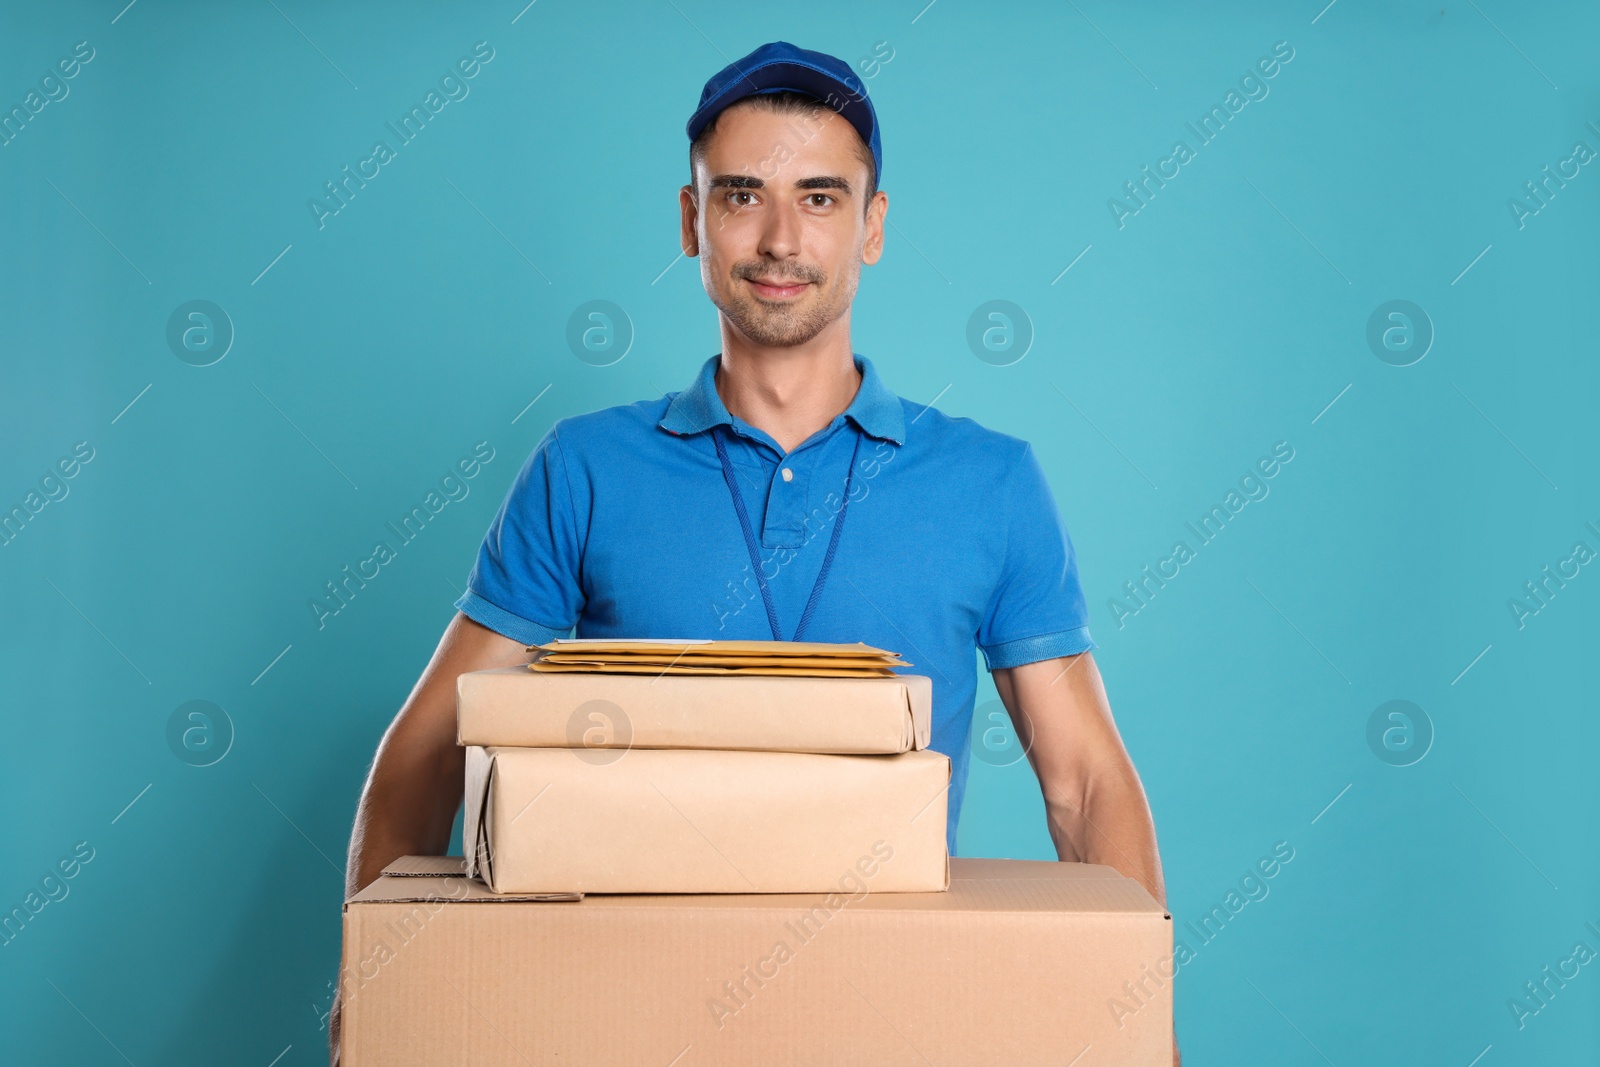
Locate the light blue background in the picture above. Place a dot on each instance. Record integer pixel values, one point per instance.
(1222, 318)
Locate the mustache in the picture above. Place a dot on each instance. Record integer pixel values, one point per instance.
(771, 277)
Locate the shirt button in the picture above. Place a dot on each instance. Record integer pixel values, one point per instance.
(788, 475)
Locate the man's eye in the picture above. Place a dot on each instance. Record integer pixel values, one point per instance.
(823, 196)
(738, 193)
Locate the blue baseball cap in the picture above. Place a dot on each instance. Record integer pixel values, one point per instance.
(780, 65)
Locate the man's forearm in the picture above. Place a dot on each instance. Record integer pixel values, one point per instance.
(1110, 824)
(405, 810)
(409, 803)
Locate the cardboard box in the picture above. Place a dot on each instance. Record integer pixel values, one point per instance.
(1020, 963)
(699, 821)
(516, 707)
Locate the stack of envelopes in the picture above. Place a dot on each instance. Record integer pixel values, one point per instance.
(634, 766)
(783, 658)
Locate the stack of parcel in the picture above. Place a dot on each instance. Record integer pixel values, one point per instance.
(702, 767)
(695, 853)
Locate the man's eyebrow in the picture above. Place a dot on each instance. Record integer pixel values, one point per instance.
(746, 181)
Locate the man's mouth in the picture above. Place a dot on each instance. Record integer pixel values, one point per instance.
(777, 290)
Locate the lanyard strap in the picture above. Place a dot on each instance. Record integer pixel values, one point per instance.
(755, 555)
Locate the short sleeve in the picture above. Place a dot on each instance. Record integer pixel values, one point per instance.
(1037, 610)
(524, 583)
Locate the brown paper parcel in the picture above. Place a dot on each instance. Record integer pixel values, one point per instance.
(1020, 963)
(513, 706)
(696, 821)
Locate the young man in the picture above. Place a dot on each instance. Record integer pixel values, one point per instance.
(786, 494)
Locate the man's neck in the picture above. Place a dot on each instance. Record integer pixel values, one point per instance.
(789, 393)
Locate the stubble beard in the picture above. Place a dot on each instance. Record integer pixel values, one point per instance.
(784, 325)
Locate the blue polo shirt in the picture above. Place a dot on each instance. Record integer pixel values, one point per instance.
(621, 524)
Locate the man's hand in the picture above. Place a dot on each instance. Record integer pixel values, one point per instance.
(408, 806)
(1094, 802)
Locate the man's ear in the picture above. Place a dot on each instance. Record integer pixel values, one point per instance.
(688, 237)
(877, 210)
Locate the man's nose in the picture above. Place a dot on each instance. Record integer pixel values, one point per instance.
(780, 236)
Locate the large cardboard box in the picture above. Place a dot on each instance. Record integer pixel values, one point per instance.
(1019, 963)
(517, 707)
(702, 821)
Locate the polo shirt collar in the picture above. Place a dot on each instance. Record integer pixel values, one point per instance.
(875, 409)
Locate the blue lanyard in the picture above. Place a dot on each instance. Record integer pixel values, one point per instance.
(750, 537)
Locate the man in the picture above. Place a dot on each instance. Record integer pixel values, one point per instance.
(786, 494)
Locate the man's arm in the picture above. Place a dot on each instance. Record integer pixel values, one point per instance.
(408, 806)
(1094, 802)
(413, 791)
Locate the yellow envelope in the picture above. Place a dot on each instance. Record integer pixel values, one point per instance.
(631, 646)
(728, 661)
(640, 668)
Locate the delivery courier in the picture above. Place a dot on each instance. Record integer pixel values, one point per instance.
(785, 493)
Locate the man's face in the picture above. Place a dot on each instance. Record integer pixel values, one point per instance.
(778, 222)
